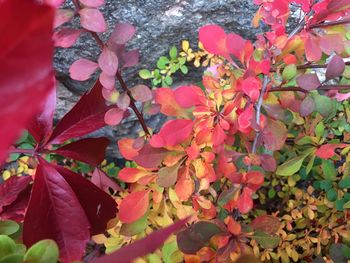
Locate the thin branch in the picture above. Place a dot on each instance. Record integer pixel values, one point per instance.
(307, 66)
(22, 151)
(324, 88)
(332, 23)
(258, 111)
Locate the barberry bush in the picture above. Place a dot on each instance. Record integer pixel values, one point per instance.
(252, 164)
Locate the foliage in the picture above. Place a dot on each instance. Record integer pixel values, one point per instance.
(255, 157)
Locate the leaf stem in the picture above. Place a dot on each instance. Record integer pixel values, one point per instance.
(331, 23)
(324, 88)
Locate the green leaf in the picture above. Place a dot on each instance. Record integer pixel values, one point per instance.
(329, 171)
(8, 227)
(325, 185)
(168, 80)
(346, 251)
(319, 130)
(344, 183)
(168, 251)
(265, 240)
(173, 52)
(346, 205)
(13, 258)
(153, 258)
(7, 246)
(293, 165)
(162, 62)
(44, 251)
(332, 194)
(145, 74)
(339, 204)
(323, 105)
(289, 72)
(184, 69)
(134, 228)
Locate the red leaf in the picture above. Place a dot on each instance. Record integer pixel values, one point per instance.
(143, 246)
(99, 206)
(82, 69)
(85, 117)
(127, 148)
(141, 93)
(332, 43)
(172, 133)
(274, 135)
(134, 206)
(41, 126)
(307, 106)
(335, 6)
(245, 202)
(92, 20)
(214, 38)
(312, 49)
(335, 67)
(88, 150)
(66, 37)
(150, 157)
(103, 181)
(11, 189)
(268, 163)
(92, 3)
(26, 77)
(114, 116)
(219, 135)
(189, 96)
(122, 33)
(254, 180)
(62, 16)
(308, 81)
(327, 151)
(267, 224)
(54, 3)
(54, 212)
(235, 44)
(108, 62)
(251, 87)
(169, 106)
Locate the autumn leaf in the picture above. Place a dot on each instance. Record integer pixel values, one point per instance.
(327, 151)
(274, 135)
(92, 20)
(134, 206)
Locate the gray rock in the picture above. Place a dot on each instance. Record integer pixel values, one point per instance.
(160, 24)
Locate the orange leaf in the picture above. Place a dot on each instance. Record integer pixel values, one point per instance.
(134, 206)
(168, 105)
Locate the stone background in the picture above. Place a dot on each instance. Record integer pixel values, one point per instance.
(160, 24)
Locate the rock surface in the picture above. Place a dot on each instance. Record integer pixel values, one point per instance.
(160, 24)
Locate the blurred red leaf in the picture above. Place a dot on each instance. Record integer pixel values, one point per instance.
(62, 16)
(214, 38)
(235, 44)
(108, 62)
(85, 117)
(189, 96)
(41, 125)
(92, 20)
(98, 206)
(335, 67)
(127, 148)
(54, 212)
(82, 69)
(141, 93)
(335, 6)
(266, 223)
(312, 49)
(54, 3)
(308, 81)
(274, 135)
(130, 58)
(172, 133)
(332, 43)
(327, 151)
(66, 37)
(134, 206)
(26, 78)
(244, 201)
(122, 33)
(103, 181)
(143, 246)
(268, 163)
(150, 157)
(88, 150)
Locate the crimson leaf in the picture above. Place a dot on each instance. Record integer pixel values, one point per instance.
(308, 81)
(335, 67)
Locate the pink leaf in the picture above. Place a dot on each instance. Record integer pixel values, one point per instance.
(85, 117)
(327, 151)
(235, 44)
(141, 93)
(54, 212)
(122, 33)
(268, 163)
(113, 116)
(26, 77)
(335, 67)
(130, 58)
(108, 62)
(189, 96)
(66, 37)
(214, 39)
(82, 69)
(332, 43)
(274, 135)
(150, 157)
(103, 181)
(107, 82)
(173, 132)
(312, 50)
(92, 3)
(308, 81)
(335, 6)
(62, 16)
(54, 3)
(88, 150)
(123, 101)
(143, 246)
(245, 202)
(92, 20)
(307, 106)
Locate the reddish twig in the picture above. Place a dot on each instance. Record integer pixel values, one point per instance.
(331, 23)
(324, 88)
